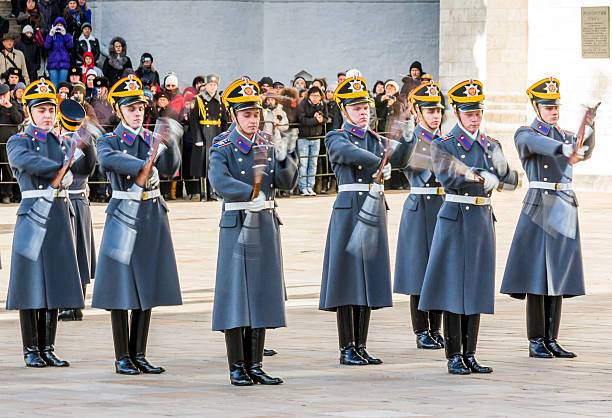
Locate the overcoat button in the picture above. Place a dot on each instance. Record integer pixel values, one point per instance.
(125, 151)
(37, 148)
(467, 208)
(427, 185)
(242, 172)
(360, 193)
(462, 155)
(359, 167)
(40, 187)
(239, 160)
(545, 165)
(545, 178)
(428, 197)
(129, 177)
(359, 180)
(235, 149)
(154, 200)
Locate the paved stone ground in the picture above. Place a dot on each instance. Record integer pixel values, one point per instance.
(411, 382)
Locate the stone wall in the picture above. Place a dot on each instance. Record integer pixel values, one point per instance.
(276, 38)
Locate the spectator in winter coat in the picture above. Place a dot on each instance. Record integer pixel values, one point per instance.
(85, 10)
(89, 65)
(103, 109)
(90, 77)
(31, 51)
(117, 61)
(49, 11)
(275, 118)
(177, 102)
(87, 43)
(311, 118)
(164, 109)
(74, 19)
(289, 98)
(31, 16)
(59, 44)
(11, 57)
(146, 72)
(10, 116)
(412, 80)
(78, 94)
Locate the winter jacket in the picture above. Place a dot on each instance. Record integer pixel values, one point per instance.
(309, 125)
(31, 53)
(115, 65)
(18, 59)
(29, 18)
(86, 12)
(10, 116)
(84, 45)
(177, 102)
(148, 75)
(74, 19)
(59, 47)
(49, 10)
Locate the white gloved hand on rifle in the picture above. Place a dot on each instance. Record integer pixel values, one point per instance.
(153, 179)
(386, 172)
(568, 150)
(490, 180)
(257, 204)
(67, 180)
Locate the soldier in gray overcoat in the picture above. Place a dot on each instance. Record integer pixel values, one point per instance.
(249, 290)
(420, 215)
(70, 116)
(460, 275)
(354, 285)
(38, 288)
(150, 278)
(544, 264)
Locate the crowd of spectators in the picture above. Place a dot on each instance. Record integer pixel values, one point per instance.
(56, 41)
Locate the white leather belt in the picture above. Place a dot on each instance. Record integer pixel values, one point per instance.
(470, 200)
(355, 187)
(81, 191)
(146, 195)
(549, 186)
(48, 193)
(427, 190)
(268, 204)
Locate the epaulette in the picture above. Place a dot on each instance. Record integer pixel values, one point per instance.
(264, 138)
(222, 143)
(336, 130)
(446, 138)
(224, 134)
(108, 135)
(22, 135)
(492, 139)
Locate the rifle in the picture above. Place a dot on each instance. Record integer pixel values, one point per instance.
(588, 118)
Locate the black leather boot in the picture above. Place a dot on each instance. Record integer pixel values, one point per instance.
(235, 357)
(78, 313)
(452, 347)
(346, 337)
(420, 325)
(361, 325)
(119, 323)
(269, 352)
(469, 327)
(47, 327)
(66, 315)
(553, 320)
(139, 332)
(435, 320)
(29, 337)
(536, 327)
(254, 339)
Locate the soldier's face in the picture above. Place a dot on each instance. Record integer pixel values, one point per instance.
(549, 114)
(471, 120)
(43, 116)
(432, 117)
(359, 114)
(248, 121)
(133, 115)
(211, 88)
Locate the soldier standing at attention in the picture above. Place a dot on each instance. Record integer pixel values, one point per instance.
(420, 215)
(460, 275)
(70, 116)
(207, 119)
(249, 290)
(543, 265)
(38, 288)
(151, 278)
(352, 285)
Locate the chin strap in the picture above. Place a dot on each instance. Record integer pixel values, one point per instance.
(537, 110)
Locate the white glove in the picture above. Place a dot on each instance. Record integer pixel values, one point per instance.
(52, 31)
(490, 180)
(67, 180)
(588, 131)
(377, 188)
(61, 30)
(154, 178)
(386, 172)
(78, 154)
(280, 149)
(470, 176)
(199, 144)
(567, 149)
(581, 151)
(257, 204)
(499, 161)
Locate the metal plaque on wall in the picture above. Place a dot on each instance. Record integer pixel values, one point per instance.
(595, 25)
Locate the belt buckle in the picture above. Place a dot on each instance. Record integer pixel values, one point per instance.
(479, 201)
(558, 186)
(440, 190)
(57, 192)
(145, 195)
